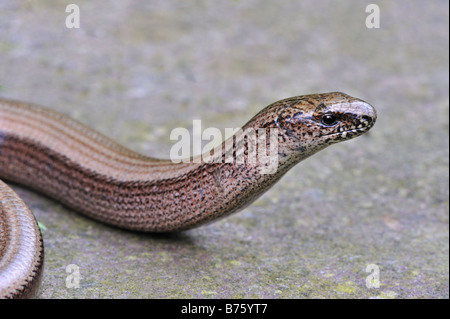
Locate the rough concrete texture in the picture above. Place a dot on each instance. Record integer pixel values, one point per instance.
(137, 69)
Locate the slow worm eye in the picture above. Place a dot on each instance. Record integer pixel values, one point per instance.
(329, 119)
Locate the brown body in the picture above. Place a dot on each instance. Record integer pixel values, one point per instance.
(21, 247)
(73, 164)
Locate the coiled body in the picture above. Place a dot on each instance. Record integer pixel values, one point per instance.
(21, 247)
(65, 160)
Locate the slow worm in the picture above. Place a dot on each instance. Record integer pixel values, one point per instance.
(65, 160)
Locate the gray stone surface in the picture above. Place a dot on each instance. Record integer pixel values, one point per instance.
(137, 69)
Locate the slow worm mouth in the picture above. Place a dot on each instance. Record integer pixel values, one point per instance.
(363, 127)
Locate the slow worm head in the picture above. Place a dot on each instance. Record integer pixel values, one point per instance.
(65, 160)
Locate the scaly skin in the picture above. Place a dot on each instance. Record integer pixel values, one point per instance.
(89, 173)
